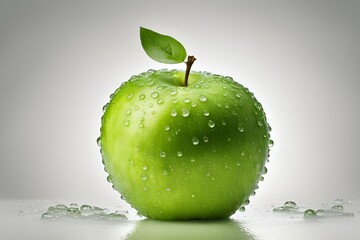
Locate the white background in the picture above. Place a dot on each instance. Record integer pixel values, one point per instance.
(60, 60)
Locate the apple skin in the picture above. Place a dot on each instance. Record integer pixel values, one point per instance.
(181, 153)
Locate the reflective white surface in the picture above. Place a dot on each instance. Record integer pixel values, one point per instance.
(21, 219)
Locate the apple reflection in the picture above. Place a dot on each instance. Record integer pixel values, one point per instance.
(176, 230)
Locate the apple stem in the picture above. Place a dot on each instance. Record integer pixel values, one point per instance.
(189, 63)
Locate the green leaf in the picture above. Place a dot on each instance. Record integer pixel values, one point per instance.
(162, 48)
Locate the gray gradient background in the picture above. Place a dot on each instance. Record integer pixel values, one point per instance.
(60, 60)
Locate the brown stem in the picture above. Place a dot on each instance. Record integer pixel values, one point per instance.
(189, 63)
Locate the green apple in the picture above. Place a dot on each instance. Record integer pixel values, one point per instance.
(178, 152)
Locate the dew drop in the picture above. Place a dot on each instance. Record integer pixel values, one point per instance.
(223, 122)
(155, 94)
(195, 141)
(185, 112)
(162, 154)
(192, 159)
(168, 189)
(160, 101)
(127, 123)
(187, 100)
(206, 113)
(192, 195)
(98, 141)
(202, 98)
(193, 105)
(206, 139)
(290, 204)
(264, 171)
(165, 172)
(238, 95)
(143, 177)
(141, 125)
(173, 113)
(271, 143)
(259, 123)
(150, 105)
(174, 101)
(130, 95)
(105, 107)
(142, 97)
(167, 128)
(128, 112)
(144, 167)
(173, 92)
(179, 153)
(240, 128)
(246, 202)
(211, 124)
(242, 209)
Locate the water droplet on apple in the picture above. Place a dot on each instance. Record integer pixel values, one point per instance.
(240, 128)
(223, 122)
(167, 128)
(128, 112)
(192, 195)
(264, 171)
(144, 167)
(174, 101)
(143, 177)
(253, 193)
(105, 107)
(195, 141)
(173, 92)
(211, 124)
(242, 209)
(98, 141)
(155, 94)
(179, 153)
(193, 104)
(145, 189)
(242, 154)
(261, 178)
(142, 96)
(127, 123)
(185, 112)
(162, 154)
(206, 113)
(150, 71)
(130, 95)
(168, 189)
(187, 100)
(173, 113)
(246, 202)
(271, 143)
(290, 205)
(164, 172)
(238, 95)
(259, 123)
(160, 101)
(192, 159)
(206, 139)
(202, 98)
(141, 125)
(108, 178)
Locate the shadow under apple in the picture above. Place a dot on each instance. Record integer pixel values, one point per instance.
(222, 229)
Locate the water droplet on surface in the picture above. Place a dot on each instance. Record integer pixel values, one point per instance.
(168, 189)
(160, 101)
(85, 208)
(155, 94)
(206, 113)
(206, 139)
(195, 141)
(202, 98)
(211, 124)
(192, 195)
(130, 95)
(338, 207)
(142, 96)
(264, 171)
(167, 128)
(173, 113)
(143, 177)
(127, 123)
(144, 167)
(150, 105)
(259, 123)
(185, 112)
(271, 143)
(98, 141)
(290, 204)
(223, 122)
(310, 213)
(175, 101)
(192, 159)
(240, 128)
(141, 125)
(164, 172)
(105, 107)
(247, 201)
(242, 209)
(179, 154)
